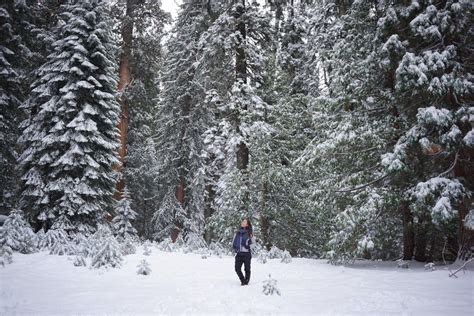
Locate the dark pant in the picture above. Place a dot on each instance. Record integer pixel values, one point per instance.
(243, 258)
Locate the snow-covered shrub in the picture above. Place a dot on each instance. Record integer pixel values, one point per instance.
(127, 246)
(270, 286)
(403, 264)
(430, 266)
(95, 241)
(263, 256)
(256, 247)
(107, 253)
(81, 244)
(286, 258)
(144, 268)
(6, 247)
(217, 249)
(168, 245)
(61, 244)
(275, 253)
(79, 261)
(195, 242)
(16, 234)
(146, 248)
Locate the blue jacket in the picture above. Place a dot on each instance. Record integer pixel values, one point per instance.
(242, 241)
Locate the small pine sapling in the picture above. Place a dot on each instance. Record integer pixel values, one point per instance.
(270, 286)
(144, 268)
(286, 257)
(108, 255)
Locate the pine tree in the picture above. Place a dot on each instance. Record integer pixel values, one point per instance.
(233, 57)
(10, 99)
(69, 138)
(16, 235)
(430, 163)
(107, 251)
(122, 222)
(144, 268)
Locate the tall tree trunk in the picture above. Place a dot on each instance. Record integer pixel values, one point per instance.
(463, 170)
(408, 232)
(180, 196)
(264, 221)
(208, 211)
(421, 240)
(124, 80)
(241, 74)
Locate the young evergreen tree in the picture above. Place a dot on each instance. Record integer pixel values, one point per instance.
(122, 222)
(69, 138)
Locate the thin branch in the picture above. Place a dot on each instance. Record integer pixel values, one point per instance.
(453, 165)
(460, 268)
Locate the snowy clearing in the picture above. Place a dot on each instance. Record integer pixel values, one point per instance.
(179, 283)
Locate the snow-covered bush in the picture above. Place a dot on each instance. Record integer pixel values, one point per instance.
(127, 246)
(79, 261)
(16, 235)
(144, 268)
(195, 242)
(430, 266)
(403, 264)
(168, 245)
(263, 256)
(286, 257)
(61, 244)
(6, 247)
(95, 241)
(146, 248)
(275, 253)
(270, 286)
(107, 253)
(81, 243)
(217, 249)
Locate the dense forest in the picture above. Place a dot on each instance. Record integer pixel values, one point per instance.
(342, 128)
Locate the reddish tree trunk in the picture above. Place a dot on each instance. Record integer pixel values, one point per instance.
(124, 80)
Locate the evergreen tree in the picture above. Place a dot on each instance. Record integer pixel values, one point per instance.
(69, 139)
(144, 20)
(16, 235)
(10, 99)
(122, 222)
(234, 62)
(424, 48)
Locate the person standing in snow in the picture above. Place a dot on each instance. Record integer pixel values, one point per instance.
(241, 244)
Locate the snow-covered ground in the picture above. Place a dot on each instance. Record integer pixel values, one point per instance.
(43, 284)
